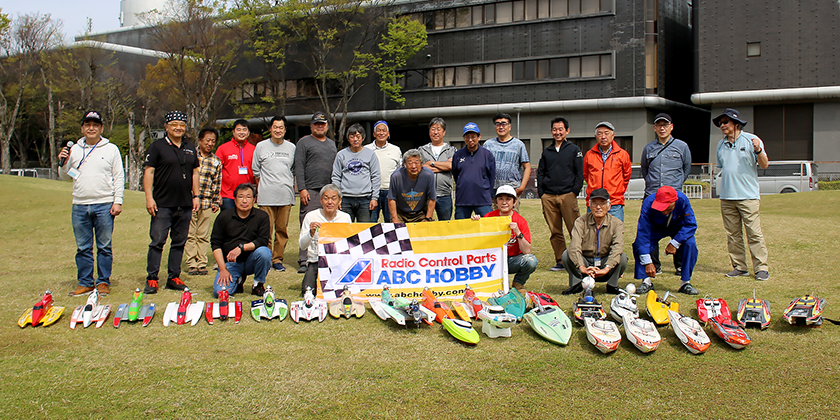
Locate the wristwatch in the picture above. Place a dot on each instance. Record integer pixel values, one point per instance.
(433, 164)
(241, 247)
(759, 151)
(520, 236)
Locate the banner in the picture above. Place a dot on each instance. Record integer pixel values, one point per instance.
(443, 256)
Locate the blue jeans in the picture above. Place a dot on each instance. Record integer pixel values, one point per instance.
(464, 212)
(443, 207)
(227, 203)
(382, 205)
(357, 207)
(258, 264)
(91, 220)
(522, 266)
(174, 222)
(616, 210)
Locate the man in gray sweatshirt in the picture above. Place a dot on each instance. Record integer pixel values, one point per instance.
(356, 172)
(314, 158)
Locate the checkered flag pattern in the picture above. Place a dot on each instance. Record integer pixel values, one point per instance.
(380, 239)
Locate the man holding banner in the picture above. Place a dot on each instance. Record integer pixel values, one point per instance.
(330, 196)
(412, 195)
(521, 262)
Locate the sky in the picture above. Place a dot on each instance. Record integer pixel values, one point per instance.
(105, 13)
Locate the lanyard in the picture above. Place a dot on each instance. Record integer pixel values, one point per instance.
(182, 162)
(598, 241)
(84, 156)
(241, 156)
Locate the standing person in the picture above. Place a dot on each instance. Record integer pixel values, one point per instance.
(559, 180)
(236, 158)
(240, 244)
(412, 195)
(665, 161)
(209, 185)
(356, 172)
(597, 245)
(95, 166)
(389, 156)
(738, 153)
(437, 156)
(474, 170)
(314, 158)
(521, 262)
(666, 214)
(272, 166)
(607, 166)
(330, 196)
(170, 182)
(513, 167)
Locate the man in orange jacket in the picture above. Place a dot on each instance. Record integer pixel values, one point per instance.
(607, 165)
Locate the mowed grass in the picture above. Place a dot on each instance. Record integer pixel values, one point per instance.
(368, 368)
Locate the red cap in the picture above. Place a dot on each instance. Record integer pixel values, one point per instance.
(664, 197)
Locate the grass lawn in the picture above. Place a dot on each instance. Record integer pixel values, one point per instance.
(368, 368)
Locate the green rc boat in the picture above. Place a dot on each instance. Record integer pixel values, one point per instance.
(513, 302)
(551, 323)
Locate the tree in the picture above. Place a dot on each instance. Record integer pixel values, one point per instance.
(342, 42)
(21, 43)
(201, 50)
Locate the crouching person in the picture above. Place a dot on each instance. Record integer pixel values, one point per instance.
(330, 199)
(521, 263)
(596, 246)
(240, 244)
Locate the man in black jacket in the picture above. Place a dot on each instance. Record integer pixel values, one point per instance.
(559, 180)
(240, 243)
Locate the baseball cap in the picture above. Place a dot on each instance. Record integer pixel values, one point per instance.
(92, 116)
(665, 195)
(175, 116)
(376, 124)
(663, 116)
(506, 189)
(318, 117)
(732, 114)
(599, 193)
(471, 127)
(605, 124)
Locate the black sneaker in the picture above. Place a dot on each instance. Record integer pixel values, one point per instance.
(239, 287)
(688, 289)
(558, 267)
(258, 290)
(613, 290)
(151, 287)
(175, 284)
(644, 288)
(678, 272)
(577, 288)
(302, 268)
(658, 270)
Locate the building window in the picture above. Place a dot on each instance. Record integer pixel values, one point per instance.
(504, 12)
(590, 6)
(512, 11)
(786, 130)
(462, 76)
(477, 15)
(559, 8)
(574, 67)
(504, 72)
(477, 75)
(490, 73)
(753, 49)
(463, 17)
(519, 10)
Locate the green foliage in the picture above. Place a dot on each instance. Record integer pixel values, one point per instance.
(405, 37)
(829, 185)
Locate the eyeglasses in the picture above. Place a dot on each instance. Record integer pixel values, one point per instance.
(661, 124)
(599, 204)
(178, 124)
(501, 123)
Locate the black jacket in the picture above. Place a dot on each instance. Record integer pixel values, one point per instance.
(560, 172)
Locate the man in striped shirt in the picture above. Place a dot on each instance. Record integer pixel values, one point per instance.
(209, 186)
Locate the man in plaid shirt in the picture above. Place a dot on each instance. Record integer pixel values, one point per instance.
(209, 185)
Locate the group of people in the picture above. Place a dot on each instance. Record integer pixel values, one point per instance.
(185, 184)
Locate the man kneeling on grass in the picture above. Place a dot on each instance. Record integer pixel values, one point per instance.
(240, 244)
(595, 249)
(521, 262)
(330, 198)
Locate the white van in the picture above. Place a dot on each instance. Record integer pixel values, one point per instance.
(784, 176)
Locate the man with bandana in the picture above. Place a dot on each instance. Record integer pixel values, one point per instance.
(170, 182)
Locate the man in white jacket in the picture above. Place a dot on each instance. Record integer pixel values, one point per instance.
(95, 166)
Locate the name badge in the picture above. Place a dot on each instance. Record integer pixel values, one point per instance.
(598, 262)
(243, 170)
(73, 173)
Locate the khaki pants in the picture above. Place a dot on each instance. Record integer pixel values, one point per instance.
(557, 210)
(278, 217)
(198, 240)
(738, 215)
